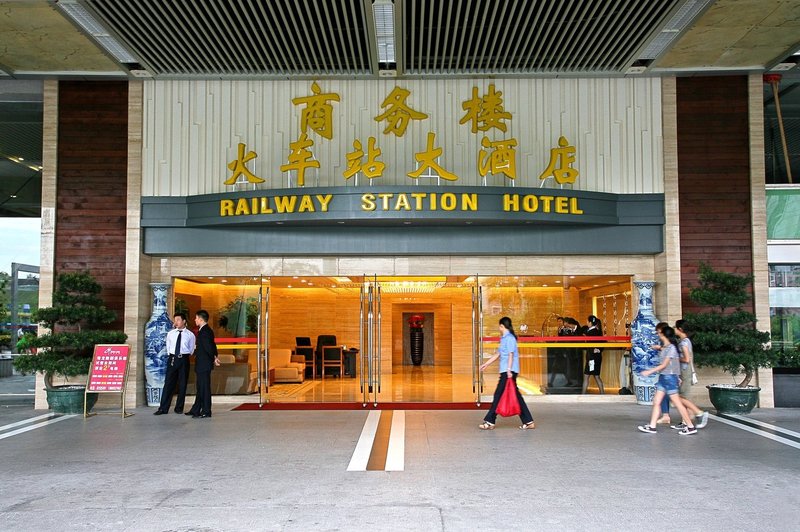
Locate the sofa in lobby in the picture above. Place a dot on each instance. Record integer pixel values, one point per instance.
(229, 378)
(286, 367)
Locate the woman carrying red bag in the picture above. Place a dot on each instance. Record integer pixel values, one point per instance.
(509, 368)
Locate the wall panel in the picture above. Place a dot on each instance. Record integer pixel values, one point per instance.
(192, 130)
(91, 198)
(714, 177)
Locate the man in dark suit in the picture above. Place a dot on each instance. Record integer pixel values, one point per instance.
(206, 357)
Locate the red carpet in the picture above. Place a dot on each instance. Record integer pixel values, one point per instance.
(358, 406)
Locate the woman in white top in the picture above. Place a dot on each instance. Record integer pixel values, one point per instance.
(686, 352)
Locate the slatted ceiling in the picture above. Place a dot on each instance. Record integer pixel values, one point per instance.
(186, 38)
(519, 37)
(242, 38)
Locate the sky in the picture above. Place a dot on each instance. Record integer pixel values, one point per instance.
(20, 242)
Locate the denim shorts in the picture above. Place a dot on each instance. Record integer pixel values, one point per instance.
(668, 384)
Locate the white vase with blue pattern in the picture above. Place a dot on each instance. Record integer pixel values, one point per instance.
(643, 337)
(155, 345)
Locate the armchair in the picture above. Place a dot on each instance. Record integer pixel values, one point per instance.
(286, 367)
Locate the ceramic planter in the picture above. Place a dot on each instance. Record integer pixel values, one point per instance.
(729, 399)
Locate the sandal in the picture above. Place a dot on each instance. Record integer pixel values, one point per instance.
(486, 426)
(528, 425)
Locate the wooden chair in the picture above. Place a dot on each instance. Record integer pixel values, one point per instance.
(332, 358)
(304, 348)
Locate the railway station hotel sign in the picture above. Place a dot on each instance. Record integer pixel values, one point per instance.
(403, 166)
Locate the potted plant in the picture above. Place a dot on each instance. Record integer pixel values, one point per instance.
(73, 326)
(726, 336)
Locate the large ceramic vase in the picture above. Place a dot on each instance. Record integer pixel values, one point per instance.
(416, 338)
(155, 346)
(643, 337)
(417, 341)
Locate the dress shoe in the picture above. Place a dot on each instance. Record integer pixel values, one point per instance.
(190, 413)
(179, 410)
(201, 416)
(158, 413)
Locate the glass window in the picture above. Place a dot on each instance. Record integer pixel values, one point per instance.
(784, 302)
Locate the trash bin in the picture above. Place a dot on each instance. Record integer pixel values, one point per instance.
(6, 369)
(350, 362)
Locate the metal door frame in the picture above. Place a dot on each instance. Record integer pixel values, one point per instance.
(477, 340)
(263, 340)
(370, 341)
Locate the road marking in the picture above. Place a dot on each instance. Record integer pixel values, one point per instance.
(26, 421)
(36, 426)
(377, 457)
(360, 457)
(758, 432)
(773, 428)
(381, 446)
(395, 453)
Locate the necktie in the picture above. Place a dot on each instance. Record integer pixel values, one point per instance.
(178, 343)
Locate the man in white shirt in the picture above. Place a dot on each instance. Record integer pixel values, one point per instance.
(180, 344)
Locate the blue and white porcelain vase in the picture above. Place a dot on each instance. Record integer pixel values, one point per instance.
(155, 345)
(643, 337)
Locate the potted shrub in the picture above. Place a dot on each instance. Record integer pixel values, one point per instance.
(74, 325)
(726, 336)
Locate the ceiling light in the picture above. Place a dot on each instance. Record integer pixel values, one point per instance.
(787, 64)
(410, 287)
(688, 12)
(383, 15)
(83, 18)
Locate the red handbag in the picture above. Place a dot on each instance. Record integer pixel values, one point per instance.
(508, 404)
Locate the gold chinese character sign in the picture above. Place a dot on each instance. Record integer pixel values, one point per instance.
(561, 159)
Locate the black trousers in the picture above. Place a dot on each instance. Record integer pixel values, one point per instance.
(177, 376)
(524, 414)
(202, 399)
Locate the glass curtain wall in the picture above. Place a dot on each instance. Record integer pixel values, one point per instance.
(546, 311)
(425, 348)
(784, 302)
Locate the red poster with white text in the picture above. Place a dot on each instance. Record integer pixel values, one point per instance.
(109, 366)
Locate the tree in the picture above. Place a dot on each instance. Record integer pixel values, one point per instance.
(726, 336)
(74, 324)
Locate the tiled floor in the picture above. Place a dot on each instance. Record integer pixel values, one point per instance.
(585, 468)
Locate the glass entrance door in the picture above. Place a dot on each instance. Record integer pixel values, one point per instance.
(265, 378)
(370, 341)
(477, 340)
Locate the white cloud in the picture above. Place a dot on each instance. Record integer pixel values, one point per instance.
(21, 242)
